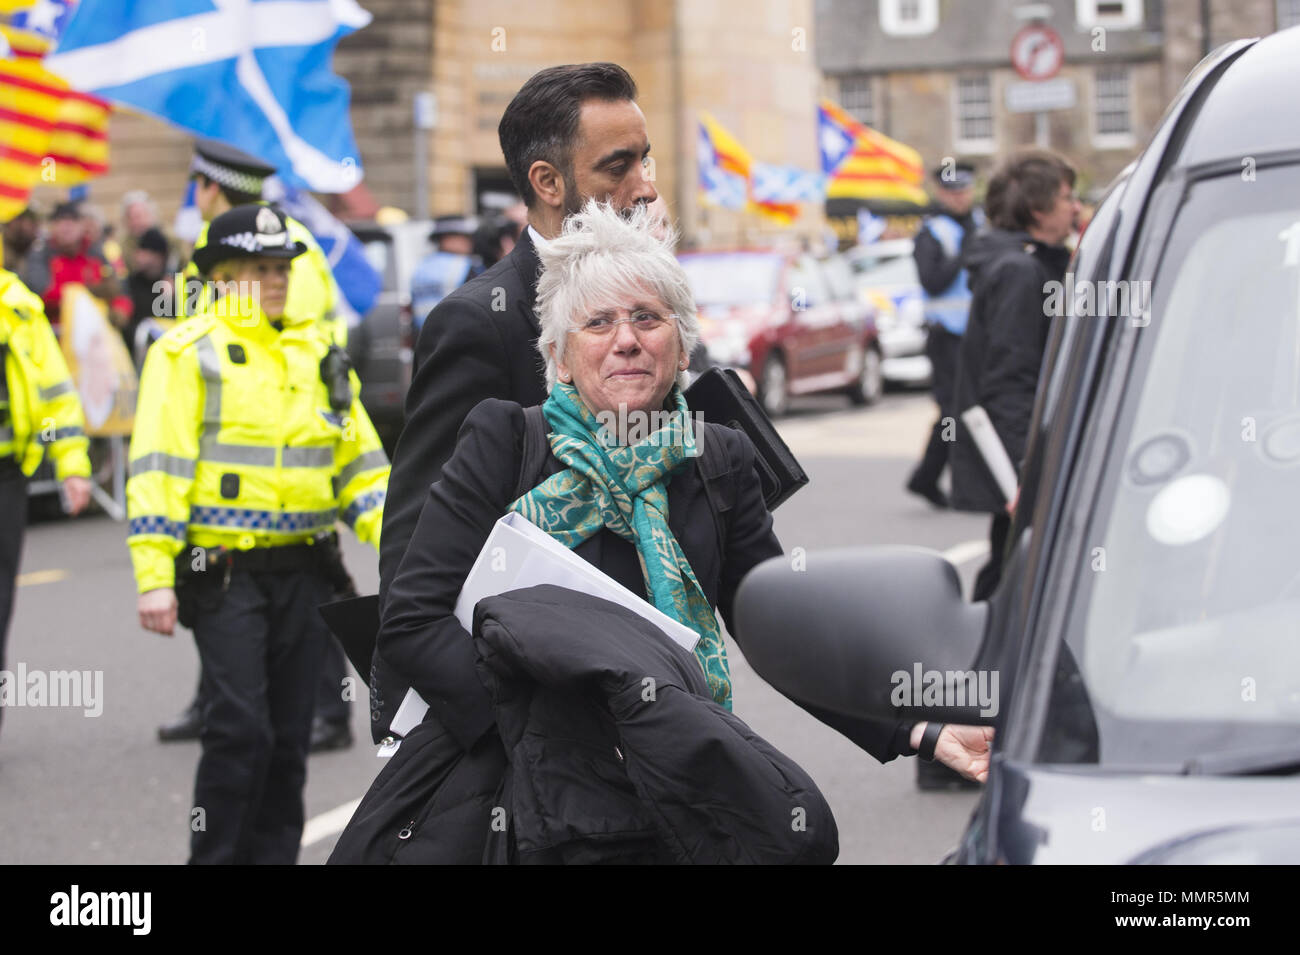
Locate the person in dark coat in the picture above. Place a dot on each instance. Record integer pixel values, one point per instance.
(937, 250)
(1032, 207)
(571, 132)
(623, 488)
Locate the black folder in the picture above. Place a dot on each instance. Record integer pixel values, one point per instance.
(722, 398)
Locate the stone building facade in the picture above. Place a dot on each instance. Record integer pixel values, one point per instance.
(938, 74)
(923, 71)
(755, 74)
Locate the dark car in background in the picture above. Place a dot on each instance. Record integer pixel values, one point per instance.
(383, 344)
(1145, 636)
(793, 322)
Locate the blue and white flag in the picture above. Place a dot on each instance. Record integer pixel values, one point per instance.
(785, 184)
(719, 186)
(253, 73)
(355, 276)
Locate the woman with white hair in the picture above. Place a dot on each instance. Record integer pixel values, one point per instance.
(622, 486)
(670, 508)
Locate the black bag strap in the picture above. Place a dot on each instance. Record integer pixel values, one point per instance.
(712, 465)
(536, 450)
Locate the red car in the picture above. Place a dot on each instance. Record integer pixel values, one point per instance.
(793, 322)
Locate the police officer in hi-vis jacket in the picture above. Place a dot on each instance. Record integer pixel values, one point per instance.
(250, 443)
(40, 414)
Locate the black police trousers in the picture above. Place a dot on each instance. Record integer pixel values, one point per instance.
(943, 348)
(261, 644)
(13, 521)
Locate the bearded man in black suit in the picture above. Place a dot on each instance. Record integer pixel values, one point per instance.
(570, 133)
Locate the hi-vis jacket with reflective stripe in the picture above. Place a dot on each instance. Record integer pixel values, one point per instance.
(39, 408)
(313, 293)
(235, 443)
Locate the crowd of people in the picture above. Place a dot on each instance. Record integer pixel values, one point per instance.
(251, 442)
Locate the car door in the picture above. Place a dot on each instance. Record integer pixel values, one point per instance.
(811, 339)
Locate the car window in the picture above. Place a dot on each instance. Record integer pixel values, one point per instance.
(1185, 638)
(807, 285)
(725, 280)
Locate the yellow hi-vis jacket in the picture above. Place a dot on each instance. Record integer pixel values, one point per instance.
(236, 445)
(313, 293)
(40, 411)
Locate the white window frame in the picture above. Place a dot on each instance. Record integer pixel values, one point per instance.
(866, 82)
(1086, 13)
(1102, 140)
(1287, 10)
(974, 147)
(893, 22)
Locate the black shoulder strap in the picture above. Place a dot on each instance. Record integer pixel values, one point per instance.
(712, 464)
(536, 450)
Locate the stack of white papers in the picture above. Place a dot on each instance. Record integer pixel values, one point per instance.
(991, 449)
(519, 554)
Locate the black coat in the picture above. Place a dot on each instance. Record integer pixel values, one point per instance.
(421, 639)
(479, 342)
(617, 753)
(1001, 354)
(456, 747)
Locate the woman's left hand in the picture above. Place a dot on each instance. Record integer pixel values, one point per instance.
(965, 749)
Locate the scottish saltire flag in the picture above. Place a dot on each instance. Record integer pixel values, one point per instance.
(355, 276)
(720, 186)
(725, 173)
(785, 184)
(253, 73)
(189, 221)
(872, 167)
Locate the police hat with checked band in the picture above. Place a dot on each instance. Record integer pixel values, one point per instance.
(246, 232)
(230, 167)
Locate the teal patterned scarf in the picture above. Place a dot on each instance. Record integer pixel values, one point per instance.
(624, 488)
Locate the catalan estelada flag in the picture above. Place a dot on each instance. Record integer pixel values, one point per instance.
(864, 164)
(49, 133)
(724, 164)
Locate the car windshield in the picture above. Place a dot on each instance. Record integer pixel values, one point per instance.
(1185, 632)
(731, 279)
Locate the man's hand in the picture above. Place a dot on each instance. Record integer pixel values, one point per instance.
(965, 749)
(1011, 504)
(76, 491)
(157, 609)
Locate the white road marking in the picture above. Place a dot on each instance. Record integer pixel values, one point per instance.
(41, 577)
(328, 823)
(966, 551)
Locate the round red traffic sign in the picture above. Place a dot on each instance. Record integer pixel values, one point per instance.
(1037, 52)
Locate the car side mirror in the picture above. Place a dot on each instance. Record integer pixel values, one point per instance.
(878, 632)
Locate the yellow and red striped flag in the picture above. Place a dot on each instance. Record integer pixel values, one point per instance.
(731, 158)
(49, 132)
(874, 166)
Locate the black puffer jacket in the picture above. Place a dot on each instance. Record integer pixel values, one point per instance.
(606, 749)
(616, 752)
(1001, 353)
